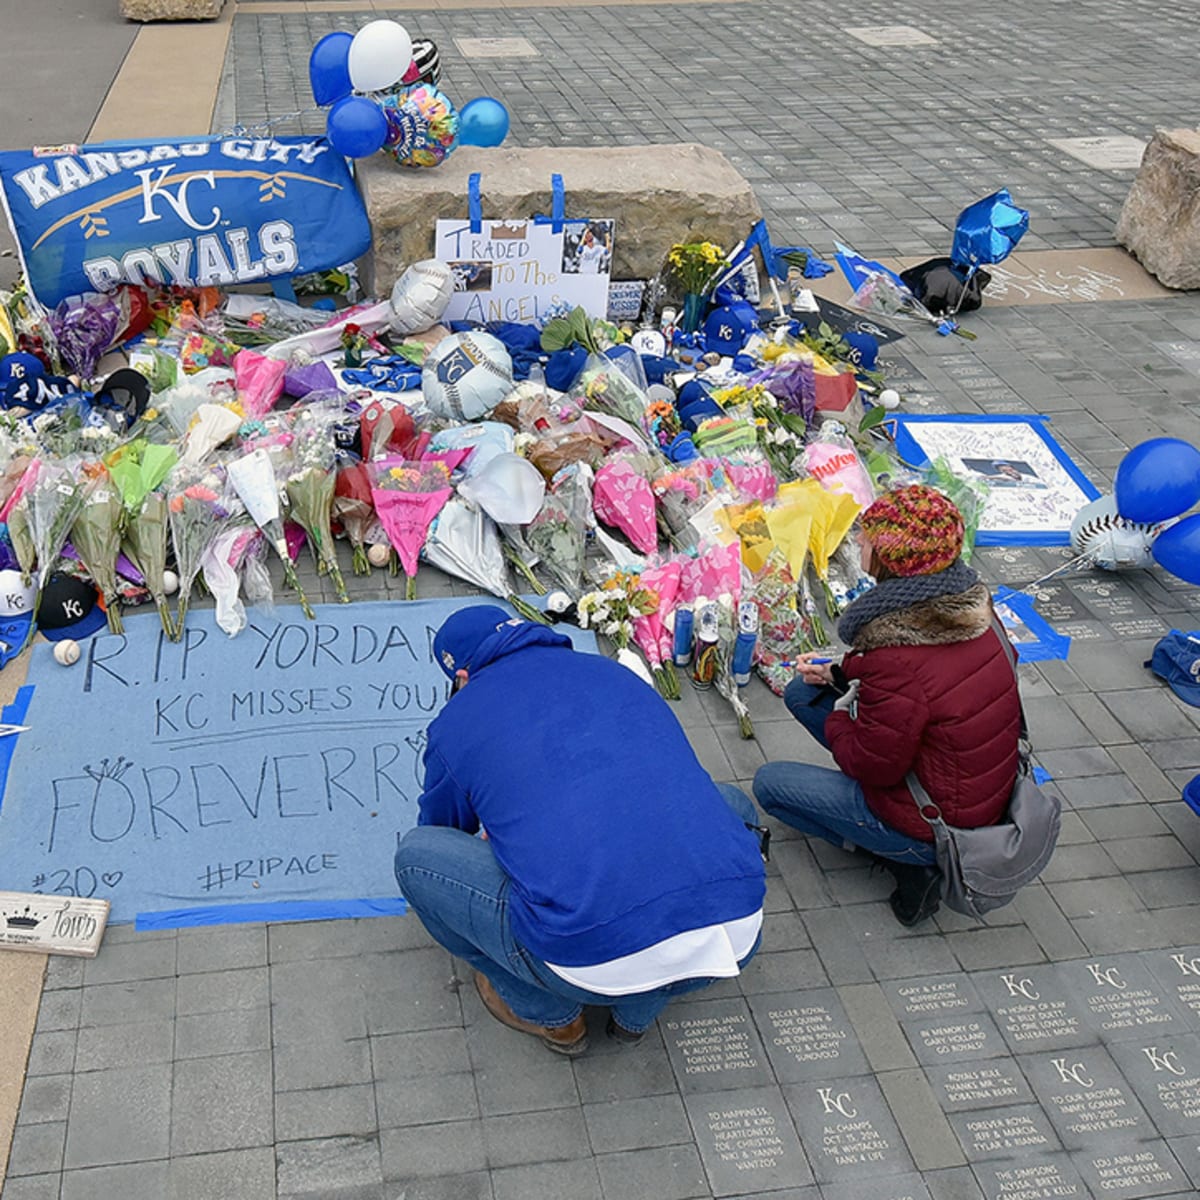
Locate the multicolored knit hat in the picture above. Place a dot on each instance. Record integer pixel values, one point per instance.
(914, 530)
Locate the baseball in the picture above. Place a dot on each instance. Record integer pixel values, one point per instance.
(170, 583)
(889, 398)
(66, 652)
(378, 555)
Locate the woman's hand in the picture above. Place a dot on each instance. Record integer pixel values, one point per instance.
(815, 668)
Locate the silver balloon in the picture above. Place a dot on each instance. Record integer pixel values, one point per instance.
(421, 295)
(1100, 534)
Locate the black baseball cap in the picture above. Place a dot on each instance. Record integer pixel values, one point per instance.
(69, 608)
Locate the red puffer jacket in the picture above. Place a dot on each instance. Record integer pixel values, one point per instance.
(936, 695)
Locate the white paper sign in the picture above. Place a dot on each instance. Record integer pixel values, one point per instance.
(52, 924)
(520, 270)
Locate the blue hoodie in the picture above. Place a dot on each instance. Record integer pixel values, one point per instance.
(594, 803)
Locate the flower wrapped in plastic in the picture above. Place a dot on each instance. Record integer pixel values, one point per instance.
(614, 607)
(968, 494)
(15, 514)
(311, 482)
(84, 328)
(96, 535)
(558, 534)
(603, 387)
(654, 631)
(259, 381)
(201, 504)
(354, 507)
(253, 477)
(408, 496)
(622, 497)
(832, 459)
(682, 490)
(144, 542)
(781, 633)
(53, 500)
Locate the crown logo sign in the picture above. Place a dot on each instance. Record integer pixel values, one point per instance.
(501, 232)
(24, 920)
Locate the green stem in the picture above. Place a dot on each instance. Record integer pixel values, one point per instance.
(393, 564)
(290, 578)
(362, 564)
(410, 586)
(113, 613)
(527, 611)
(339, 583)
(164, 617)
(745, 726)
(180, 618)
(524, 569)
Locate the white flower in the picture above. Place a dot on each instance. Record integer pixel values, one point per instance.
(612, 629)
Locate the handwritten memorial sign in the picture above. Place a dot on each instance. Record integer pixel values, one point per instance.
(277, 767)
(520, 270)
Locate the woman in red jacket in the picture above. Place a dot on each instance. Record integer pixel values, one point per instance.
(926, 687)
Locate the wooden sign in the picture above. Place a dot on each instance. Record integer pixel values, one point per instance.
(52, 924)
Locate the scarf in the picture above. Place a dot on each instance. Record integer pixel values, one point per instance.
(903, 592)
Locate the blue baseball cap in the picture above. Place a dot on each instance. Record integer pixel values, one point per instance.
(1176, 658)
(17, 599)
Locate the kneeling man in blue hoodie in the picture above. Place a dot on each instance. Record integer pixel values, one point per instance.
(610, 869)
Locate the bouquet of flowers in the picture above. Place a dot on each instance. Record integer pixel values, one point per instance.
(520, 556)
(613, 609)
(682, 490)
(53, 500)
(253, 478)
(96, 535)
(622, 497)
(651, 631)
(694, 268)
(311, 483)
(603, 387)
(145, 543)
(408, 495)
(201, 505)
(558, 534)
(781, 634)
(354, 507)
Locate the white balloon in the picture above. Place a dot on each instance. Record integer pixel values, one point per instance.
(379, 55)
(466, 375)
(1109, 540)
(421, 295)
(509, 489)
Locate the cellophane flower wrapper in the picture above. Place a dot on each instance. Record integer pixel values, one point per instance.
(254, 477)
(622, 497)
(781, 632)
(201, 504)
(558, 534)
(603, 387)
(715, 571)
(681, 491)
(145, 542)
(521, 556)
(654, 631)
(21, 538)
(832, 460)
(408, 496)
(179, 404)
(847, 579)
(614, 607)
(96, 535)
(222, 580)
(137, 468)
(748, 523)
(390, 431)
(211, 425)
(259, 381)
(10, 481)
(53, 501)
(969, 496)
(312, 481)
(85, 327)
(354, 507)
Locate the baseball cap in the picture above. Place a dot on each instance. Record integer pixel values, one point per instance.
(16, 612)
(70, 608)
(1176, 658)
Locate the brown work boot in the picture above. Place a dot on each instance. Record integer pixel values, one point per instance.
(565, 1039)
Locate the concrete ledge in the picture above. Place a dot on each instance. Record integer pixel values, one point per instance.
(658, 195)
(171, 10)
(1160, 221)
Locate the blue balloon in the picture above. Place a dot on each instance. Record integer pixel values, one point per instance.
(1158, 480)
(987, 230)
(329, 68)
(482, 122)
(356, 127)
(1178, 549)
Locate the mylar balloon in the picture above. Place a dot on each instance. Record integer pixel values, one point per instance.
(482, 122)
(1178, 549)
(379, 55)
(1100, 534)
(1158, 480)
(328, 68)
(422, 126)
(356, 127)
(421, 295)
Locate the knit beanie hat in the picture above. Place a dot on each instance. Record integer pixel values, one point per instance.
(914, 530)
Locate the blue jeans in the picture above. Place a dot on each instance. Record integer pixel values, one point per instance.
(452, 881)
(825, 803)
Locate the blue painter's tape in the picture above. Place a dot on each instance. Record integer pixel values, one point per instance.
(14, 714)
(558, 203)
(474, 203)
(287, 910)
(1041, 775)
(1048, 643)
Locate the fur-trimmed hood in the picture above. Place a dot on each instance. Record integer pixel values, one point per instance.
(957, 617)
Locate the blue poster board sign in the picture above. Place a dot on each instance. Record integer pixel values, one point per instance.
(194, 212)
(264, 777)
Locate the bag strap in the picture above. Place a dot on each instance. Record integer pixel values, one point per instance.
(922, 799)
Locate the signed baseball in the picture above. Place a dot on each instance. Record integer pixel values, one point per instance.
(66, 652)
(889, 398)
(378, 555)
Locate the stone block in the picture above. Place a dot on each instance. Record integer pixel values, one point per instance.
(171, 10)
(1160, 221)
(657, 195)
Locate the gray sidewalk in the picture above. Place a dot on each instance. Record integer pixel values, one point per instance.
(1055, 1052)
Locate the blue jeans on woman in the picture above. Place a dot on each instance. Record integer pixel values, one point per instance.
(822, 802)
(452, 881)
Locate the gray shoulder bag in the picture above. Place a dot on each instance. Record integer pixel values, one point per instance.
(984, 868)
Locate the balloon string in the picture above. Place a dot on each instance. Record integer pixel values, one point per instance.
(1080, 560)
(261, 128)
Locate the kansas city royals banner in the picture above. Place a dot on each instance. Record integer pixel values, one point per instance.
(202, 212)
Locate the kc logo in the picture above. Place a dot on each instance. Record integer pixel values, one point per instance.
(1164, 1062)
(841, 1102)
(153, 188)
(1108, 977)
(1072, 1074)
(1189, 966)
(1021, 987)
(72, 609)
